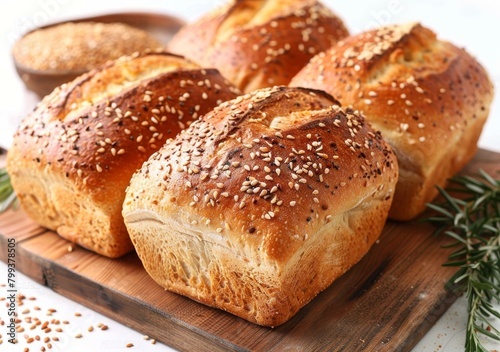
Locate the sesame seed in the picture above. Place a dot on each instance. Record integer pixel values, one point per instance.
(98, 168)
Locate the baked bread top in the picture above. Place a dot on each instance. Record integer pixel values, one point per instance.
(266, 171)
(88, 137)
(425, 95)
(257, 44)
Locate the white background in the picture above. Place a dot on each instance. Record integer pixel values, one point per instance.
(473, 24)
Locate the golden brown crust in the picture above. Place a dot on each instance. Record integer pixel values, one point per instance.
(73, 157)
(262, 203)
(257, 44)
(429, 99)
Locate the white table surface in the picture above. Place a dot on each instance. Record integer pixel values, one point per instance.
(473, 24)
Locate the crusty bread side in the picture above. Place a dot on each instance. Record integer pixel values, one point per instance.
(429, 99)
(259, 43)
(73, 157)
(262, 203)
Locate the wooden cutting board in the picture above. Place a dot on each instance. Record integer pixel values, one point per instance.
(387, 302)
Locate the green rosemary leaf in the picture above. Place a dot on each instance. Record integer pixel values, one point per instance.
(475, 188)
(441, 210)
(480, 200)
(494, 183)
(8, 198)
(453, 202)
(451, 245)
(471, 218)
(456, 236)
(460, 278)
(457, 263)
(492, 228)
(458, 254)
(466, 179)
(435, 219)
(486, 332)
(482, 285)
(492, 311)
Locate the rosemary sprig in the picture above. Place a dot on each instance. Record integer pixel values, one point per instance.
(8, 198)
(472, 220)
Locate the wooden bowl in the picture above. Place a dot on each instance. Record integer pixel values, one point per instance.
(160, 26)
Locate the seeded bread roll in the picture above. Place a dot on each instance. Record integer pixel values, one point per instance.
(260, 43)
(429, 99)
(262, 203)
(73, 157)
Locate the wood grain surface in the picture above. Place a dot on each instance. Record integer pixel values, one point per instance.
(387, 302)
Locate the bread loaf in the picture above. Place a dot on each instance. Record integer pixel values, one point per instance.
(429, 99)
(260, 43)
(72, 158)
(262, 203)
